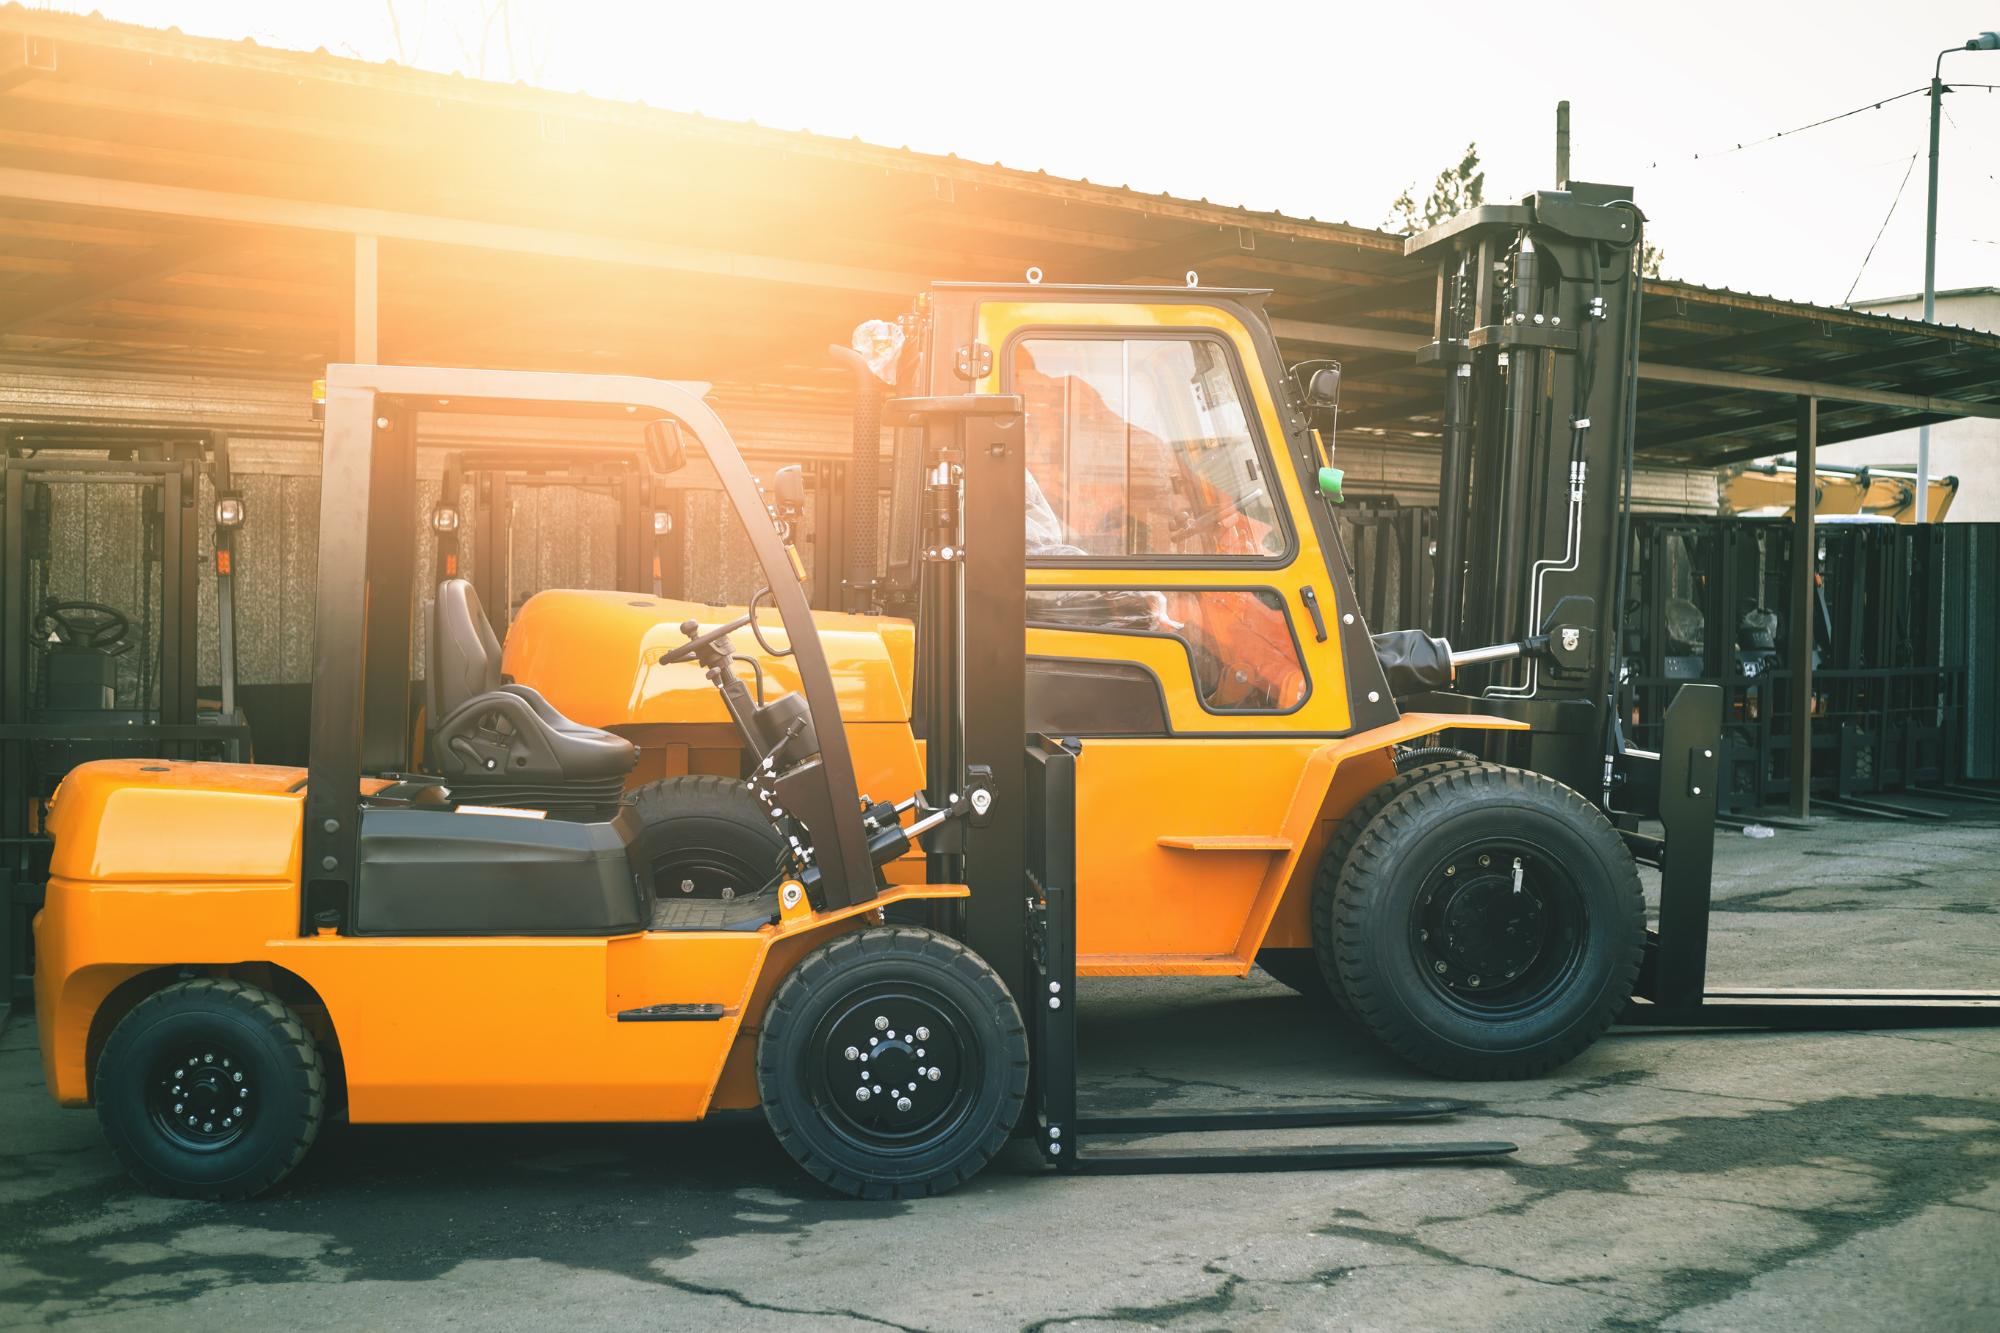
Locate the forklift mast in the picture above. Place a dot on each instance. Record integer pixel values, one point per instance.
(1536, 329)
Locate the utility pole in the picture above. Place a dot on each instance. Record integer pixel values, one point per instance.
(1985, 41)
(1562, 148)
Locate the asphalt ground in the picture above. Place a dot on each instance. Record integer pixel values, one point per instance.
(1837, 1180)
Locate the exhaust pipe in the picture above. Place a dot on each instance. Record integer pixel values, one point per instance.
(864, 504)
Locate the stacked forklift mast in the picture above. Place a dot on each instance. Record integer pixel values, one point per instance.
(1535, 326)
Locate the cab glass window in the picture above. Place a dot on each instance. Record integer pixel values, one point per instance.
(1239, 640)
(1141, 447)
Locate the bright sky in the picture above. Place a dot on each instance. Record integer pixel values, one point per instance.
(1312, 108)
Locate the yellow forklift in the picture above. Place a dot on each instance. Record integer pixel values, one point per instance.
(227, 949)
(1442, 839)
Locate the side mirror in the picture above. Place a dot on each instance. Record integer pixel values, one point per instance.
(788, 489)
(665, 446)
(1322, 392)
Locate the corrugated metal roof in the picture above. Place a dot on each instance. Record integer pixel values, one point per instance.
(173, 203)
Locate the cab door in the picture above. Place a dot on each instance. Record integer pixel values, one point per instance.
(1178, 609)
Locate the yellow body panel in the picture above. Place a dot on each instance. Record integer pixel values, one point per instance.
(596, 657)
(433, 1029)
(1194, 853)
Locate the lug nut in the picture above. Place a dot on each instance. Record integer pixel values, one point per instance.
(932, 1075)
(861, 1094)
(902, 1103)
(880, 1023)
(923, 1034)
(853, 1052)
(1437, 967)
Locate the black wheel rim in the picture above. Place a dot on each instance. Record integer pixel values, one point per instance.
(1499, 927)
(894, 1067)
(203, 1095)
(705, 873)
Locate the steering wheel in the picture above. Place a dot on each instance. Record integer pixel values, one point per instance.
(92, 625)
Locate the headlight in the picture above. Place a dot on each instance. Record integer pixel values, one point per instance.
(663, 523)
(444, 518)
(229, 511)
(880, 342)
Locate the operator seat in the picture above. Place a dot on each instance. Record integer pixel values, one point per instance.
(497, 743)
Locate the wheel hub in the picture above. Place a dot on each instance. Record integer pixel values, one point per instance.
(1489, 929)
(893, 1067)
(202, 1098)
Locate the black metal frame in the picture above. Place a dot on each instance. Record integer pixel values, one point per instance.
(627, 477)
(168, 461)
(1679, 782)
(362, 651)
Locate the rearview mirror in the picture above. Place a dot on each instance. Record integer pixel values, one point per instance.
(788, 488)
(1323, 389)
(665, 446)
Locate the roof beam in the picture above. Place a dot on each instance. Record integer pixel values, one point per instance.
(1733, 381)
(1738, 382)
(1176, 252)
(1347, 302)
(95, 284)
(304, 215)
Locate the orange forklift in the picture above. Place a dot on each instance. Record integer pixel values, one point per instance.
(226, 951)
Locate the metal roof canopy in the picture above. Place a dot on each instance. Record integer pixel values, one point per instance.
(196, 206)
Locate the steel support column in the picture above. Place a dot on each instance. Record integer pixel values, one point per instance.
(1804, 544)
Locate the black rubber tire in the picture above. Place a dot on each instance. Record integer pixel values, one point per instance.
(994, 1054)
(1298, 969)
(707, 831)
(1373, 922)
(1326, 877)
(1412, 757)
(271, 1055)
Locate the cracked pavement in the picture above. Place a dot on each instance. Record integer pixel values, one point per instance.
(1841, 1180)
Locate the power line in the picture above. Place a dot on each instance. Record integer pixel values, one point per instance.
(1801, 129)
(1908, 172)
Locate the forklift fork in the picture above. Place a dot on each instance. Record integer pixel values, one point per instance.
(1062, 1131)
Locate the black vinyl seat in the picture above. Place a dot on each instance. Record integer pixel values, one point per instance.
(502, 744)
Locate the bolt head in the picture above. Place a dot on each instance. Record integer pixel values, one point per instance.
(881, 1023)
(238, 1076)
(932, 1073)
(923, 1034)
(861, 1094)
(177, 1108)
(853, 1052)
(903, 1103)
(1437, 967)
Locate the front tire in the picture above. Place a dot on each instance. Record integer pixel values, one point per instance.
(702, 836)
(893, 1063)
(1488, 923)
(210, 1089)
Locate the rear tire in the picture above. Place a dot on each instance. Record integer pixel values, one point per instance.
(210, 1089)
(702, 835)
(940, 1070)
(1460, 967)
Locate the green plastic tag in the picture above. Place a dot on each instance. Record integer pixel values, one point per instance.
(1330, 479)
